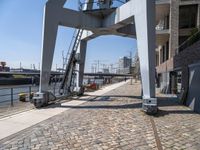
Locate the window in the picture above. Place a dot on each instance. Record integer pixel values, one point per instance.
(167, 50)
(188, 16)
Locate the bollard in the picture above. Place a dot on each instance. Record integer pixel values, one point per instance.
(22, 97)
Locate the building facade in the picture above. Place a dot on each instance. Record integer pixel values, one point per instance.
(124, 65)
(175, 22)
(3, 67)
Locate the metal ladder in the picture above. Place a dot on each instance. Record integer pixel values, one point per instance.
(68, 81)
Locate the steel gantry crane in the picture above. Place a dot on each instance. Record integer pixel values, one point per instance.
(133, 18)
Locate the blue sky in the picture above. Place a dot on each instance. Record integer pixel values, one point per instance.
(21, 36)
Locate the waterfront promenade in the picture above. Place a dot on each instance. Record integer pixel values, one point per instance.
(110, 118)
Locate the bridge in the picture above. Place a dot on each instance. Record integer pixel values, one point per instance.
(59, 73)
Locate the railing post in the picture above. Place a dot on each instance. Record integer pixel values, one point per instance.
(30, 97)
(11, 96)
(54, 89)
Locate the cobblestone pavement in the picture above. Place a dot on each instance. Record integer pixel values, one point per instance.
(113, 121)
(178, 127)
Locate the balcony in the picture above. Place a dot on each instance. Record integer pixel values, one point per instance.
(162, 32)
(162, 21)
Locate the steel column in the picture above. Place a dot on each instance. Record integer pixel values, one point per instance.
(81, 64)
(50, 27)
(145, 30)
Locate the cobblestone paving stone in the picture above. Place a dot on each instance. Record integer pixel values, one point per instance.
(112, 121)
(178, 127)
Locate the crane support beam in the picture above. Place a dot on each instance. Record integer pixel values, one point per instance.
(62, 16)
(145, 29)
(121, 16)
(80, 20)
(50, 28)
(128, 30)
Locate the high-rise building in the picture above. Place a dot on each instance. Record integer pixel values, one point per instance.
(124, 65)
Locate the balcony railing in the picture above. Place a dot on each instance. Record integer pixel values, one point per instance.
(190, 41)
(163, 23)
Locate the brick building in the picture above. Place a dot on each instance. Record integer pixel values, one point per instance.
(176, 22)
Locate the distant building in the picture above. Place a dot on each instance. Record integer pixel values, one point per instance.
(24, 70)
(3, 67)
(105, 70)
(124, 65)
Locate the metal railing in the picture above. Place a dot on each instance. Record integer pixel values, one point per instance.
(11, 94)
(190, 41)
(162, 25)
(95, 4)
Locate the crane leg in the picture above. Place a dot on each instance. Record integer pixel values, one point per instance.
(50, 27)
(145, 29)
(81, 66)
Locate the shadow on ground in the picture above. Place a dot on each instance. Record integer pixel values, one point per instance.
(107, 97)
(103, 99)
(163, 103)
(162, 113)
(166, 107)
(168, 101)
(125, 106)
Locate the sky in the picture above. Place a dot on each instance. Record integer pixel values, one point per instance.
(21, 37)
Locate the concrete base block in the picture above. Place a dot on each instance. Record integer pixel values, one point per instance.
(150, 105)
(42, 99)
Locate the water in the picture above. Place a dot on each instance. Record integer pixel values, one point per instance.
(5, 91)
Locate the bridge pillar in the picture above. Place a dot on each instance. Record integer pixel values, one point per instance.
(145, 30)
